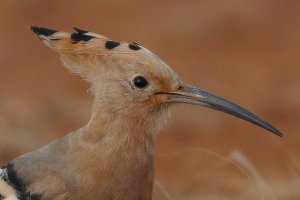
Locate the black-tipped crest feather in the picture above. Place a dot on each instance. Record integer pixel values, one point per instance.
(42, 31)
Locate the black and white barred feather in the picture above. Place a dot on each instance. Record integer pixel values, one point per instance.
(12, 187)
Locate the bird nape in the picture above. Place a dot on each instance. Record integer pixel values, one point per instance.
(111, 157)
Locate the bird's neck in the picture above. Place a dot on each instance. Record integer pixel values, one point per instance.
(121, 131)
(136, 127)
(125, 149)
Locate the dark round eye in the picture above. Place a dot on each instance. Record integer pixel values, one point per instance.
(140, 82)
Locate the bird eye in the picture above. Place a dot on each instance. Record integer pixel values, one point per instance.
(140, 82)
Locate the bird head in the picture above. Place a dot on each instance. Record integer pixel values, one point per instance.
(130, 82)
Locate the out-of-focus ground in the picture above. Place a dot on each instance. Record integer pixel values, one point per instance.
(245, 51)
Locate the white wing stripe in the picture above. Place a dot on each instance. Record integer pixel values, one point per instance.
(6, 190)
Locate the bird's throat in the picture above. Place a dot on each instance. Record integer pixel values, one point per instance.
(123, 158)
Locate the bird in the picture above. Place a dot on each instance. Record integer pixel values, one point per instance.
(111, 157)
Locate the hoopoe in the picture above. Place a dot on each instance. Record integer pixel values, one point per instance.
(111, 157)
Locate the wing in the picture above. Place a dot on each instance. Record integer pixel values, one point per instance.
(45, 174)
(40, 183)
(6, 190)
(33, 176)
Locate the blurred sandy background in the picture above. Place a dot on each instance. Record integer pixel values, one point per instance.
(245, 51)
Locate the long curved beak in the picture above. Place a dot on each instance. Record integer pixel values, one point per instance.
(192, 95)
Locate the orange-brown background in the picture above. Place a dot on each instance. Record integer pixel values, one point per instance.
(246, 51)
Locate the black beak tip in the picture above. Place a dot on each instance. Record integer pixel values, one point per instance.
(265, 125)
(277, 132)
